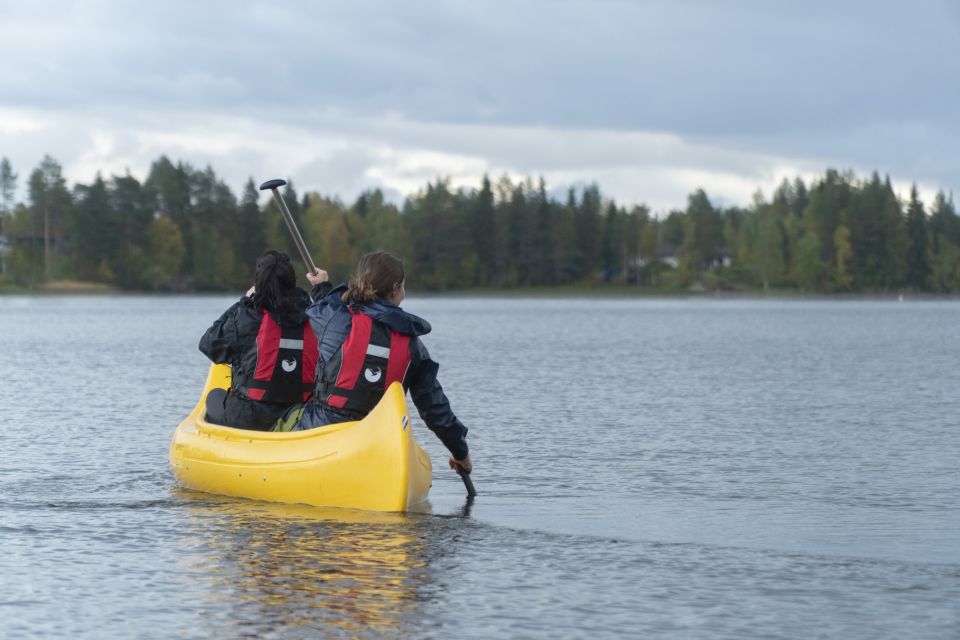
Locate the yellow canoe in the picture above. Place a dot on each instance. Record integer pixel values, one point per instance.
(373, 464)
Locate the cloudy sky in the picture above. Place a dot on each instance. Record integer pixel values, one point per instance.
(649, 99)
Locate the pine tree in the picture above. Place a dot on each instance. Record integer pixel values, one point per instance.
(131, 205)
(96, 233)
(918, 259)
(769, 246)
(168, 191)
(944, 222)
(707, 226)
(828, 200)
(8, 187)
(542, 233)
(588, 230)
(484, 231)
(251, 240)
(610, 241)
(518, 270)
(800, 197)
(51, 203)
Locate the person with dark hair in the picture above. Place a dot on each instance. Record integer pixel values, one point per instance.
(367, 342)
(267, 341)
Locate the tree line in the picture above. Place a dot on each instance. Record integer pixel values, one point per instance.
(183, 229)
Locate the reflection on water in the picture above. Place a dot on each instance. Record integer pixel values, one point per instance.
(292, 568)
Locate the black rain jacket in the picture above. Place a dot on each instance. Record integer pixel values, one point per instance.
(235, 332)
(331, 322)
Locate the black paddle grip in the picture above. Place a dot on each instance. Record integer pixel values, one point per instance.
(272, 184)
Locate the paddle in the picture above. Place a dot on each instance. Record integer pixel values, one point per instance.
(467, 482)
(274, 185)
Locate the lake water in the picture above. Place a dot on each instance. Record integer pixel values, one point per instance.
(647, 468)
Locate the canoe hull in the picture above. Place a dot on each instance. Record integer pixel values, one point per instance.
(373, 464)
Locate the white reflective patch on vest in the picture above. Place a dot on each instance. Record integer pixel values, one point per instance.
(287, 343)
(379, 352)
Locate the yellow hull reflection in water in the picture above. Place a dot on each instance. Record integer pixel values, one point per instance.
(284, 569)
(374, 463)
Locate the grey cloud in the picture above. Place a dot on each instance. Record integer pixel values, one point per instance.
(693, 67)
(345, 170)
(731, 86)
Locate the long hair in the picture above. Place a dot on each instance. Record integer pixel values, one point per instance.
(274, 280)
(378, 274)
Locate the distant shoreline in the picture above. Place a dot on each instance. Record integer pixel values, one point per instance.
(70, 287)
(57, 287)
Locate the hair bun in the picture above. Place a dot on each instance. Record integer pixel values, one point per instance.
(378, 275)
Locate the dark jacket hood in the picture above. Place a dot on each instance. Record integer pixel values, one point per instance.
(390, 315)
(396, 318)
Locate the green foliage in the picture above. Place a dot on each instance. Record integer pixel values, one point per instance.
(439, 240)
(809, 269)
(762, 242)
(165, 253)
(945, 276)
(183, 229)
(251, 238)
(327, 232)
(829, 199)
(95, 230)
(707, 229)
(690, 258)
(51, 204)
(841, 243)
(877, 236)
(671, 229)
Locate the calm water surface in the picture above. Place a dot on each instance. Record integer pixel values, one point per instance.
(672, 468)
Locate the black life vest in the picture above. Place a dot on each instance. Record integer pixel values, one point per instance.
(371, 358)
(282, 366)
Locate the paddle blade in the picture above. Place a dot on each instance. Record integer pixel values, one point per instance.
(467, 482)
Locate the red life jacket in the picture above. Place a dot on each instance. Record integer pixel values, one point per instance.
(371, 358)
(282, 366)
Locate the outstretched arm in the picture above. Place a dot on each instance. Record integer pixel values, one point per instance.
(434, 408)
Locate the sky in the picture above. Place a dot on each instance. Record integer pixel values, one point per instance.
(651, 100)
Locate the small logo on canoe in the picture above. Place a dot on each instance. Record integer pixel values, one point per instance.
(404, 423)
(289, 365)
(373, 375)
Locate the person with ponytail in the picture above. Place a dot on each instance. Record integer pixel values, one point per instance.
(266, 339)
(367, 342)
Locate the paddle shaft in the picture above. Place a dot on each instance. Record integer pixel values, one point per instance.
(467, 482)
(274, 185)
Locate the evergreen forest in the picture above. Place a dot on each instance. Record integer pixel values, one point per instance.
(183, 229)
